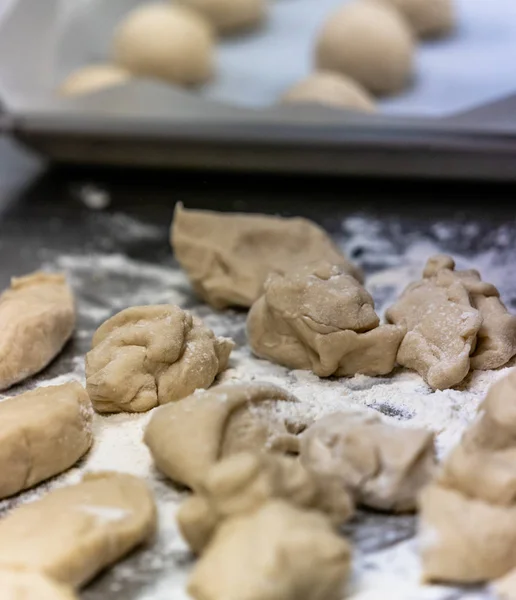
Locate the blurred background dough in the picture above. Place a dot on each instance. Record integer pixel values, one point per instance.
(428, 18)
(229, 16)
(92, 79)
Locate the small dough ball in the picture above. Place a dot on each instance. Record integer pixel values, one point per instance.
(228, 16)
(369, 42)
(93, 79)
(331, 89)
(173, 43)
(428, 18)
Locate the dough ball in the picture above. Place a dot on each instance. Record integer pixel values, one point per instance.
(17, 585)
(428, 18)
(331, 89)
(166, 42)
(92, 79)
(369, 42)
(228, 16)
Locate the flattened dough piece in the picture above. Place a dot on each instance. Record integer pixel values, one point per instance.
(37, 317)
(505, 588)
(320, 318)
(380, 465)
(227, 256)
(188, 437)
(150, 355)
(22, 585)
(42, 433)
(279, 551)
(93, 78)
(74, 532)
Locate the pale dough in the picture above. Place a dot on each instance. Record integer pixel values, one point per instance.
(278, 551)
(227, 256)
(382, 466)
(20, 585)
(164, 41)
(505, 588)
(320, 318)
(37, 317)
(331, 89)
(187, 438)
(93, 78)
(42, 433)
(229, 16)
(149, 355)
(428, 18)
(369, 42)
(74, 532)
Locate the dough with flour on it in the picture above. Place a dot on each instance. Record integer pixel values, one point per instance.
(42, 433)
(278, 551)
(37, 317)
(20, 585)
(428, 18)
(382, 466)
(149, 355)
(187, 438)
(93, 78)
(164, 41)
(320, 318)
(369, 42)
(230, 16)
(74, 532)
(227, 256)
(331, 89)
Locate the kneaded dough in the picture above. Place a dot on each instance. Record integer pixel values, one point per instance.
(20, 585)
(320, 318)
(37, 317)
(42, 433)
(505, 588)
(93, 78)
(278, 551)
(428, 18)
(382, 466)
(149, 355)
(74, 532)
(164, 41)
(227, 256)
(369, 42)
(187, 438)
(332, 89)
(229, 16)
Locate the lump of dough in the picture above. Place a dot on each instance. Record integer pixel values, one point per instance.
(427, 18)
(188, 437)
(228, 256)
(320, 318)
(369, 42)
(332, 89)
(149, 355)
(42, 433)
(229, 16)
(20, 585)
(93, 78)
(74, 532)
(165, 41)
(382, 466)
(279, 551)
(505, 588)
(37, 317)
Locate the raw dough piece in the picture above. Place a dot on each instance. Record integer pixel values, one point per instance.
(228, 16)
(428, 18)
(279, 551)
(380, 465)
(505, 588)
(330, 89)
(74, 532)
(228, 256)
(243, 482)
(93, 78)
(169, 42)
(37, 317)
(188, 437)
(150, 355)
(369, 42)
(20, 585)
(320, 318)
(42, 433)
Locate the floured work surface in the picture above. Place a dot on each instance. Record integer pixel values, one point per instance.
(94, 249)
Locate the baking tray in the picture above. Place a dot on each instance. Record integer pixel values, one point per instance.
(458, 119)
